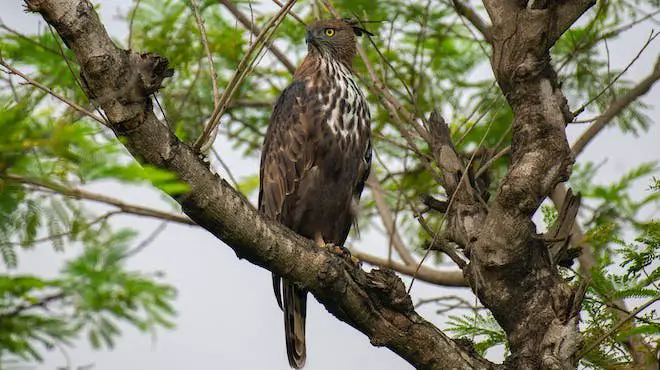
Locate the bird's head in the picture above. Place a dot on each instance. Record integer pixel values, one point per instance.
(334, 38)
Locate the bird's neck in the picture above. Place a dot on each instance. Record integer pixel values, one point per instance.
(316, 65)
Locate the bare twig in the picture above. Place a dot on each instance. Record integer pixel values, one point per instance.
(205, 140)
(484, 167)
(652, 36)
(130, 23)
(615, 108)
(293, 14)
(28, 39)
(52, 93)
(207, 50)
(461, 302)
(226, 168)
(85, 226)
(452, 278)
(38, 303)
(73, 74)
(146, 242)
(83, 194)
(385, 215)
(247, 23)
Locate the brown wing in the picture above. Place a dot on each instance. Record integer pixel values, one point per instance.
(288, 157)
(288, 154)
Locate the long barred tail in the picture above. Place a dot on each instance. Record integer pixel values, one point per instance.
(295, 311)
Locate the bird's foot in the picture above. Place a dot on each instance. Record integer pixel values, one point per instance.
(342, 251)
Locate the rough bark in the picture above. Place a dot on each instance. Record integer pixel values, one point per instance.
(375, 303)
(511, 269)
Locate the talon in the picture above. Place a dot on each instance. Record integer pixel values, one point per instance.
(337, 249)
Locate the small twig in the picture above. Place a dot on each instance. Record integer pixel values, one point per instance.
(73, 74)
(83, 194)
(36, 84)
(293, 14)
(453, 278)
(52, 237)
(616, 327)
(484, 167)
(28, 39)
(249, 24)
(146, 242)
(615, 108)
(207, 50)
(42, 302)
(130, 24)
(474, 18)
(205, 140)
(652, 36)
(377, 193)
(226, 168)
(461, 300)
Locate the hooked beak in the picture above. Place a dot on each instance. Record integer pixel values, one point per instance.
(308, 37)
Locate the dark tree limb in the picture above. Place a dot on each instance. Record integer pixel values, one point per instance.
(466, 11)
(511, 269)
(374, 303)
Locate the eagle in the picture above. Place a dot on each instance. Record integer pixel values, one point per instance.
(316, 158)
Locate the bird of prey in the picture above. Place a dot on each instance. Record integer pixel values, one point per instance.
(316, 158)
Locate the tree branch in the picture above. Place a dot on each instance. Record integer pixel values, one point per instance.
(452, 278)
(374, 303)
(509, 265)
(385, 215)
(466, 11)
(567, 13)
(41, 302)
(615, 108)
(245, 21)
(48, 90)
(83, 194)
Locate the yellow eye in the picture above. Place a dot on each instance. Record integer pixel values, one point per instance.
(329, 32)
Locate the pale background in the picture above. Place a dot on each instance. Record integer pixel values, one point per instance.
(228, 318)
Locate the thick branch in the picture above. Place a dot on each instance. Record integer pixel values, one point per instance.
(375, 303)
(569, 12)
(510, 268)
(466, 11)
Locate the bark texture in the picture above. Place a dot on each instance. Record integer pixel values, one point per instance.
(511, 269)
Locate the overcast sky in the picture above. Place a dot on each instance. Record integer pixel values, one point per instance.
(228, 318)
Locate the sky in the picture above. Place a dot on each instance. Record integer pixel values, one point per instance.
(227, 314)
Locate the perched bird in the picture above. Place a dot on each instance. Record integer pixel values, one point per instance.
(316, 158)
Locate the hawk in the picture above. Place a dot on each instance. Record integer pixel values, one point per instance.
(316, 158)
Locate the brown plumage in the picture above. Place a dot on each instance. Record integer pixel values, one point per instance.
(316, 158)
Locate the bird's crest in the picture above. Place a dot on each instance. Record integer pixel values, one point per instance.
(355, 24)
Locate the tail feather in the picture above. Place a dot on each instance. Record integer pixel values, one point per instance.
(295, 311)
